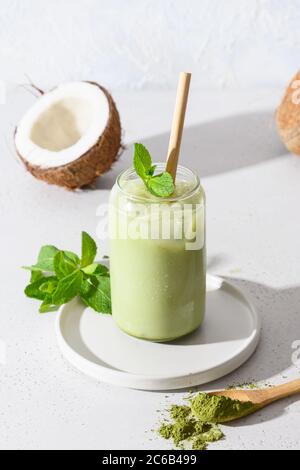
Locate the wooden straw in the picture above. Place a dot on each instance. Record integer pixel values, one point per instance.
(178, 122)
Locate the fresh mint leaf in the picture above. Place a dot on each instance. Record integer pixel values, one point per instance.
(48, 306)
(73, 257)
(95, 292)
(64, 264)
(90, 269)
(49, 286)
(68, 288)
(33, 268)
(96, 268)
(46, 257)
(161, 185)
(36, 275)
(142, 161)
(35, 289)
(101, 270)
(88, 250)
(45, 260)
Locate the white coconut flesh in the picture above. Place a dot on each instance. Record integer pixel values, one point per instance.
(62, 125)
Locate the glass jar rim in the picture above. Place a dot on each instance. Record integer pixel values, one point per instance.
(180, 169)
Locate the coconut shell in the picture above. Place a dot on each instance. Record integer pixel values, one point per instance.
(288, 116)
(86, 169)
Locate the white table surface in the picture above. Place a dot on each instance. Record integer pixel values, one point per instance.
(253, 198)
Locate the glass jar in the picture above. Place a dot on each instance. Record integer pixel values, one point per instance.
(157, 257)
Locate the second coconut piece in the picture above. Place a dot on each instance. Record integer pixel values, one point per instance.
(288, 116)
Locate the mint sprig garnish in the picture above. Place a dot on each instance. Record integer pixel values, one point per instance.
(160, 185)
(59, 276)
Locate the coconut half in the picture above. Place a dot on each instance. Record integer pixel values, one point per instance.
(71, 135)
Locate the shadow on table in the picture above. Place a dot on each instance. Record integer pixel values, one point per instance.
(213, 147)
(280, 313)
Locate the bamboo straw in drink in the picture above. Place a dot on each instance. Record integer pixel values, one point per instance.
(178, 122)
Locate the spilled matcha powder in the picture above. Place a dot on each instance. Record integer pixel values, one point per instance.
(194, 426)
(186, 428)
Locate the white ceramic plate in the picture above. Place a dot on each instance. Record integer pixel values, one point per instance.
(230, 333)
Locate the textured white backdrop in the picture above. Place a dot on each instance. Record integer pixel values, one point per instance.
(134, 44)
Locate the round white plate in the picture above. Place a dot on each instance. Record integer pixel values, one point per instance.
(230, 333)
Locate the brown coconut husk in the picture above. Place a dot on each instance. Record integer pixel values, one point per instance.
(96, 161)
(288, 116)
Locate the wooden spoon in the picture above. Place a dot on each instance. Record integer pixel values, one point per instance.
(264, 397)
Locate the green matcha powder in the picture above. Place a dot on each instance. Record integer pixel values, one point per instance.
(194, 426)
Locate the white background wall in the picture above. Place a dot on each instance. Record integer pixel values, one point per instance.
(141, 44)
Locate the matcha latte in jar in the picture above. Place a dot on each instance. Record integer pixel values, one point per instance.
(157, 256)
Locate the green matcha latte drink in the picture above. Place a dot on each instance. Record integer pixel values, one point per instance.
(157, 256)
(157, 235)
